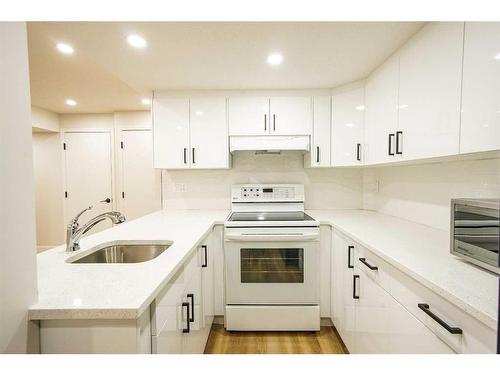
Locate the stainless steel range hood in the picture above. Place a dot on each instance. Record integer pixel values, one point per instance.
(270, 143)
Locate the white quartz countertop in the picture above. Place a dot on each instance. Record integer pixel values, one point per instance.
(124, 291)
(423, 253)
(119, 291)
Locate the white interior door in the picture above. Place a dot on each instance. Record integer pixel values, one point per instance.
(141, 183)
(88, 175)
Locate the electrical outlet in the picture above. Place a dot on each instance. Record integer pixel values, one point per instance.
(180, 187)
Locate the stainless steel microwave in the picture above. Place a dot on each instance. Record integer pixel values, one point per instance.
(475, 231)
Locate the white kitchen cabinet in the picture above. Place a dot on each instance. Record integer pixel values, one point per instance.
(208, 133)
(325, 270)
(348, 128)
(290, 115)
(248, 116)
(430, 72)
(171, 133)
(381, 112)
(319, 156)
(190, 133)
(480, 125)
(208, 290)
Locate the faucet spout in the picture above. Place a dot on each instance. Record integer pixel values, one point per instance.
(74, 232)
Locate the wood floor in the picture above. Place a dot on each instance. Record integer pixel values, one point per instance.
(325, 341)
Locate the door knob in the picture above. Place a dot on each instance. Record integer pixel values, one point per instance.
(107, 200)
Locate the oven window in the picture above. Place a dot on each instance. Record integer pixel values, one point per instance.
(272, 265)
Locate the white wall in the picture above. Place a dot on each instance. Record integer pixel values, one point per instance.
(422, 193)
(17, 199)
(86, 121)
(47, 162)
(44, 120)
(210, 189)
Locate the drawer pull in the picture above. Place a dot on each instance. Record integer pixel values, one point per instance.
(188, 329)
(363, 260)
(426, 309)
(191, 296)
(354, 278)
(349, 249)
(205, 264)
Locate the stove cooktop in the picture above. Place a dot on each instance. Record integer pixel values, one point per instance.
(274, 218)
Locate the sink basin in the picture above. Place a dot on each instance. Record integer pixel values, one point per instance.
(124, 253)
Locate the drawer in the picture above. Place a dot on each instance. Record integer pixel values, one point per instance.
(475, 338)
(367, 261)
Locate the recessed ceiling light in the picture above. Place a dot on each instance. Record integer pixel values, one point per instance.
(274, 59)
(70, 102)
(65, 48)
(146, 101)
(136, 41)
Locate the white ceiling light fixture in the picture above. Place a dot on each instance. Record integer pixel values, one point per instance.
(146, 101)
(274, 59)
(70, 102)
(136, 41)
(65, 48)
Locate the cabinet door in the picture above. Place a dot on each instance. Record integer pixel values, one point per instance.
(248, 116)
(480, 126)
(429, 92)
(372, 311)
(347, 128)
(344, 304)
(171, 133)
(208, 133)
(319, 156)
(381, 111)
(291, 115)
(410, 336)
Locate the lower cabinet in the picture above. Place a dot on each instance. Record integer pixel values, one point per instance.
(375, 310)
(183, 313)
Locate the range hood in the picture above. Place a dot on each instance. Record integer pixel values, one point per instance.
(269, 143)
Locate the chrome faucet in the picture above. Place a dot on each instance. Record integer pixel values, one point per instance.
(74, 232)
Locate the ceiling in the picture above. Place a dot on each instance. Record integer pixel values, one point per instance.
(105, 74)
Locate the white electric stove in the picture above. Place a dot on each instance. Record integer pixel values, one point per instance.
(272, 260)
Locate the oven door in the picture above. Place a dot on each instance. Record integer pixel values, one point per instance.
(272, 265)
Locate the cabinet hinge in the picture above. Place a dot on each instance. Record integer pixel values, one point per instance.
(64, 146)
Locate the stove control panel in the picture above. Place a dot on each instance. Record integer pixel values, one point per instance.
(267, 193)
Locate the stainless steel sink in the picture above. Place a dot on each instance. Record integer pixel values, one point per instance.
(124, 253)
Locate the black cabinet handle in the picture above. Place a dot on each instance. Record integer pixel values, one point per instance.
(317, 154)
(265, 121)
(354, 278)
(398, 134)
(185, 155)
(358, 152)
(204, 247)
(349, 249)
(274, 122)
(391, 136)
(188, 329)
(363, 260)
(426, 309)
(193, 157)
(191, 296)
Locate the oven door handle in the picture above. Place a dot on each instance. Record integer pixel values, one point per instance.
(252, 237)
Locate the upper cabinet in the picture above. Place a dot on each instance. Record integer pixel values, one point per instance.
(347, 128)
(171, 133)
(480, 126)
(248, 116)
(190, 133)
(430, 73)
(270, 116)
(381, 112)
(320, 139)
(290, 115)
